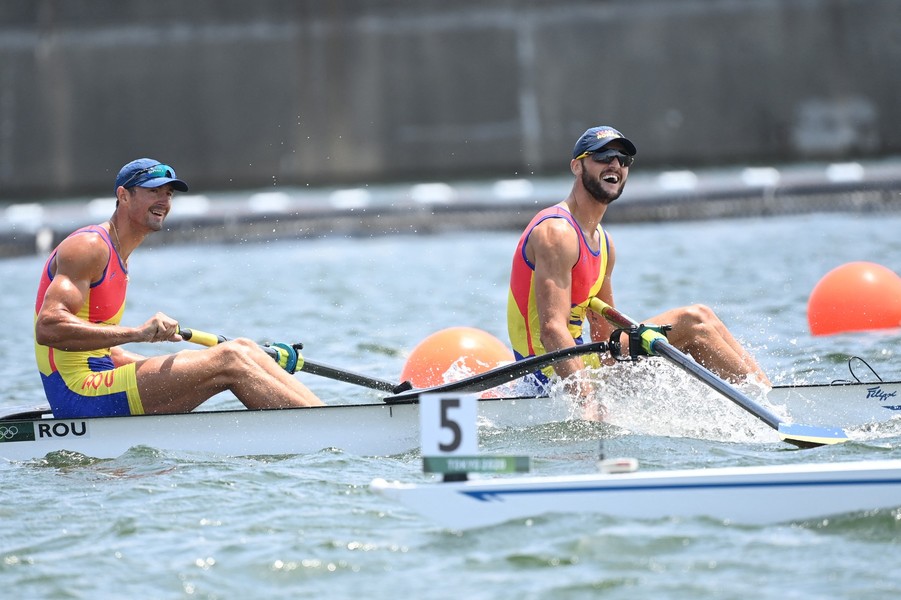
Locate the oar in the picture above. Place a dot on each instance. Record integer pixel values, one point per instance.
(503, 374)
(655, 343)
(277, 352)
(404, 392)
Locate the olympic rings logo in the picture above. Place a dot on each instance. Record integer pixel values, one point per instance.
(8, 433)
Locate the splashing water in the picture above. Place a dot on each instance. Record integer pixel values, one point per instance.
(650, 397)
(655, 398)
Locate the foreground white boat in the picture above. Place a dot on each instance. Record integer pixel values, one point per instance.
(743, 495)
(376, 429)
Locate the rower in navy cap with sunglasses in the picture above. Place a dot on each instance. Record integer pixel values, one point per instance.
(78, 335)
(565, 257)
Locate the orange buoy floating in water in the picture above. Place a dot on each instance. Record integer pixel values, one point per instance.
(475, 351)
(857, 296)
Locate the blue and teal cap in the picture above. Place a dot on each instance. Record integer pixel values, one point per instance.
(148, 173)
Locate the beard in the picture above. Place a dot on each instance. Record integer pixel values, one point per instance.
(597, 191)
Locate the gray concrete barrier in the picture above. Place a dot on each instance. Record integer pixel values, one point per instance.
(241, 95)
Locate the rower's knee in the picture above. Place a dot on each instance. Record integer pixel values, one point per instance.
(699, 319)
(238, 354)
(699, 313)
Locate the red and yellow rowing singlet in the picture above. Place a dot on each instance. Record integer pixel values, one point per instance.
(587, 278)
(86, 383)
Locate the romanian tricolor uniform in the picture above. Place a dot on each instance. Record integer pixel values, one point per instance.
(587, 278)
(86, 383)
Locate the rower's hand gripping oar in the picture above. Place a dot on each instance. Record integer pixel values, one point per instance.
(290, 359)
(655, 343)
(287, 357)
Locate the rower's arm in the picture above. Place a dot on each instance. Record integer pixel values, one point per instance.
(79, 261)
(553, 248)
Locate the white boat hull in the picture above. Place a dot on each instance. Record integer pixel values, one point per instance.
(377, 429)
(362, 429)
(846, 405)
(745, 495)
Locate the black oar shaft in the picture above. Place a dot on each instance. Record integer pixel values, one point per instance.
(505, 373)
(348, 376)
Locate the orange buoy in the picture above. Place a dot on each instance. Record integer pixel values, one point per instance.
(857, 296)
(471, 350)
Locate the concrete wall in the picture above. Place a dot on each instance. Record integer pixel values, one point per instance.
(239, 94)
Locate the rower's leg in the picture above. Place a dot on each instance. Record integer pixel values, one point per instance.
(180, 382)
(699, 332)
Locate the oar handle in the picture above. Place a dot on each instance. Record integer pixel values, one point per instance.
(287, 357)
(290, 359)
(649, 335)
(201, 337)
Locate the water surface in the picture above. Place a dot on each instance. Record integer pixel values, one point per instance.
(163, 525)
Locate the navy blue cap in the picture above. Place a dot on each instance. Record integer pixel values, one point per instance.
(598, 137)
(142, 173)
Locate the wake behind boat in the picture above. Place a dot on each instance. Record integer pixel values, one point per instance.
(372, 429)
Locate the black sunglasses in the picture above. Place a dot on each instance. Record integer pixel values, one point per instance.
(607, 156)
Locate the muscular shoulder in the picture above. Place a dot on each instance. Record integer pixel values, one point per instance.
(555, 239)
(82, 256)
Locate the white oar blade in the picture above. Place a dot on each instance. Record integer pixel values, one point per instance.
(806, 436)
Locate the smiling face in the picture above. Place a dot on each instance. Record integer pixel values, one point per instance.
(604, 182)
(148, 207)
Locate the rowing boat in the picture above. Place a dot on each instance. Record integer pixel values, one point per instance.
(850, 405)
(744, 495)
(372, 429)
(391, 427)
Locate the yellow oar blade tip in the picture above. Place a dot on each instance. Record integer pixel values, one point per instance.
(807, 436)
